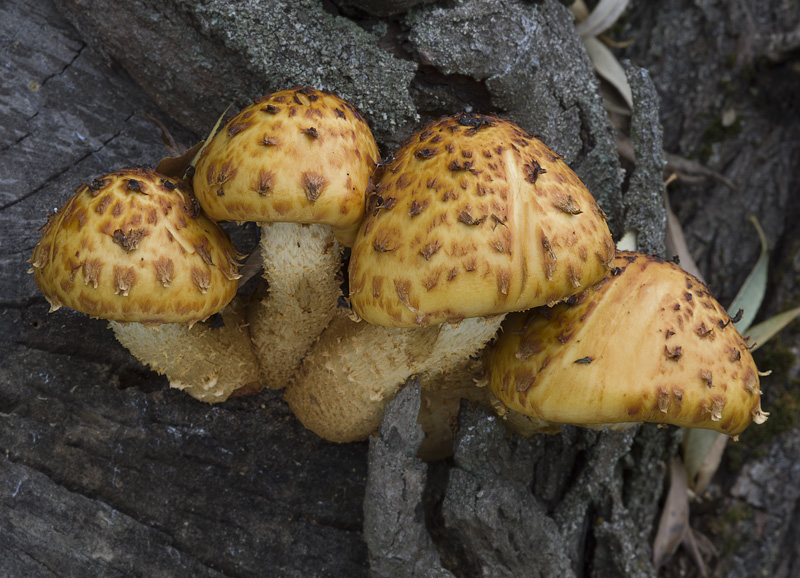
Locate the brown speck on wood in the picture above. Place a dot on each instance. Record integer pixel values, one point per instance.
(425, 153)
(313, 184)
(271, 109)
(311, 132)
(268, 141)
(130, 240)
(584, 360)
(165, 269)
(736, 355)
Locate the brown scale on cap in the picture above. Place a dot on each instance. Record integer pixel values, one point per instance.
(152, 258)
(470, 195)
(299, 155)
(636, 374)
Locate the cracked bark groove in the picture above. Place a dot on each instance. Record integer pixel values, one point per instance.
(105, 472)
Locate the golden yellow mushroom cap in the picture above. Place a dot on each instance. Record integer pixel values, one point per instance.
(474, 217)
(133, 246)
(296, 156)
(649, 343)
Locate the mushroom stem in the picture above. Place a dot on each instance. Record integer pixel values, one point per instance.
(301, 266)
(208, 363)
(355, 369)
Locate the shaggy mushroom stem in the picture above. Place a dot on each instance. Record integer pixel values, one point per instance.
(356, 368)
(207, 363)
(301, 267)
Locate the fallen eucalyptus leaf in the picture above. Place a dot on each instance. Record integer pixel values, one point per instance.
(603, 17)
(751, 293)
(674, 521)
(176, 166)
(762, 332)
(710, 462)
(676, 242)
(609, 68)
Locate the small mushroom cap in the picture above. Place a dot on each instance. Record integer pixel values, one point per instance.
(134, 246)
(474, 217)
(648, 343)
(295, 156)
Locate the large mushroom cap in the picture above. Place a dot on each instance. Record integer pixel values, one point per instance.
(474, 217)
(133, 246)
(299, 155)
(648, 343)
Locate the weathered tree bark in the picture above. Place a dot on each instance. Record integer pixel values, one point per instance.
(106, 472)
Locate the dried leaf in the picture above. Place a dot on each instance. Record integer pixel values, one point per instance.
(676, 242)
(761, 333)
(629, 241)
(173, 147)
(710, 463)
(751, 293)
(609, 68)
(603, 17)
(674, 522)
(176, 166)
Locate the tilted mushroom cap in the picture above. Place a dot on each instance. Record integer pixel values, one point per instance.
(648, 343)
(134, 246)
(474, 217)
(297, 156)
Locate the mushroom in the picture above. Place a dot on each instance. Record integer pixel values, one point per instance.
(298, 162)
(472, 218)
(648, 343)
(133, 247)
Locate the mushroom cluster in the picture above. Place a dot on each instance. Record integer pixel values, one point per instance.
(470, 220)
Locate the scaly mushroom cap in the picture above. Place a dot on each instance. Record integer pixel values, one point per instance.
(134, 246)
(296, 156)
(648, 343)
(474, 217)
